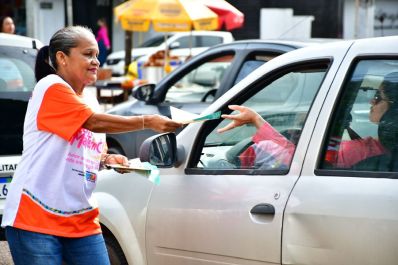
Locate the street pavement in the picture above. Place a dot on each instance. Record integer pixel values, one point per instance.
(5, 255)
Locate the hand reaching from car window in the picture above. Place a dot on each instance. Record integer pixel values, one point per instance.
(245, 116)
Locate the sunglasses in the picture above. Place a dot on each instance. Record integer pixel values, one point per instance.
(377, 98)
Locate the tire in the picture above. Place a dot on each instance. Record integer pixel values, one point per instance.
(115, 150)
(115, 252)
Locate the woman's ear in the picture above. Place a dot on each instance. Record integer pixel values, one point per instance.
(61, 58)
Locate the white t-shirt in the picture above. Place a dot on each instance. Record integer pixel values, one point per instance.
(51, 191)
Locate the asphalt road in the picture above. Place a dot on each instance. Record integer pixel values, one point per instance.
(5, 255)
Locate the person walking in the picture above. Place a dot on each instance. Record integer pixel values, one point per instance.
(50, 214)
(102, 38)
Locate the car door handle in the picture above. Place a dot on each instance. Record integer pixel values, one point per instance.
(263, 208)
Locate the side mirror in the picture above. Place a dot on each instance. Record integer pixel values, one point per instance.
(143, 92)
(160, 150)
(174, 45)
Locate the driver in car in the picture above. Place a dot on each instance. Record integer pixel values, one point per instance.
(272, 150)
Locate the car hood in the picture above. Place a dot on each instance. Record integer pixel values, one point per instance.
(123, 108)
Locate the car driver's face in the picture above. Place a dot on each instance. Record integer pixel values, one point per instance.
(380, 105)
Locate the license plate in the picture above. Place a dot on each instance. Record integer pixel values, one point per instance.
(4, 183)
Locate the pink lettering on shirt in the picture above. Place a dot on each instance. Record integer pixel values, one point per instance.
(84, 139)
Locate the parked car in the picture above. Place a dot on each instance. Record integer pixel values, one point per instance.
(211, 209)
(195, 85)
(180, 44)
(17, 80)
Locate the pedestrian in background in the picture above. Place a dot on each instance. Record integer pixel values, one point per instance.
(7, 25)
(50, 214)
(102, 38)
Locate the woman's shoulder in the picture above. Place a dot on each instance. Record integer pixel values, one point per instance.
(49, 81)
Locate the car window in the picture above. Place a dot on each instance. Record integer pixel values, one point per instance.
(252, 63)
(16, 70)
(186, 42)
(283, 104)
(363, 135)
(154, 41)
(201, 83)
(208, 41)
(16, 85)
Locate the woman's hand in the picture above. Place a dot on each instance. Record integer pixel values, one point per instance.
(115, 159)
(160, 123)
(245, 116)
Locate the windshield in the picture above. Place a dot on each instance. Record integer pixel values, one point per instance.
(17, 81)
(16, 68)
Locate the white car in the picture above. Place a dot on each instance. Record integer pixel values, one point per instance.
(181, 44)
(17, 80)
(215, 205)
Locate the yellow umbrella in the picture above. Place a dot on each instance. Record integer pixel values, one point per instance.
(166, 15)
(118, 10)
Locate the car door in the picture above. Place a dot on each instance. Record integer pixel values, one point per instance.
(17, 81)
(343, 209)
(214, 209)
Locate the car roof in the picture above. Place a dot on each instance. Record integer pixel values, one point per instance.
(285, 42)
(198, 32)
(19, 41)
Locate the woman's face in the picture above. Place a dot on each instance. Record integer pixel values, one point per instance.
(8, 26)
(380, 105)
(81, 66)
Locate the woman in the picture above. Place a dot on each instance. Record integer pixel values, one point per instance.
(50, 214)
(7, 25)
(273, 150)
(103, 40)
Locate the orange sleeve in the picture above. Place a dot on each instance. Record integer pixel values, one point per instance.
(62, 112)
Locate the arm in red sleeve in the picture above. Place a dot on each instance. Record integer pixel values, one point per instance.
(278, 147)
(354, 151)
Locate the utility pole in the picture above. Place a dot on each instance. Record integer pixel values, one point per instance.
(128, 40)
(69, 13)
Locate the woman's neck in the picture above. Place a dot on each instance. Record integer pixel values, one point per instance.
(78, 88)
